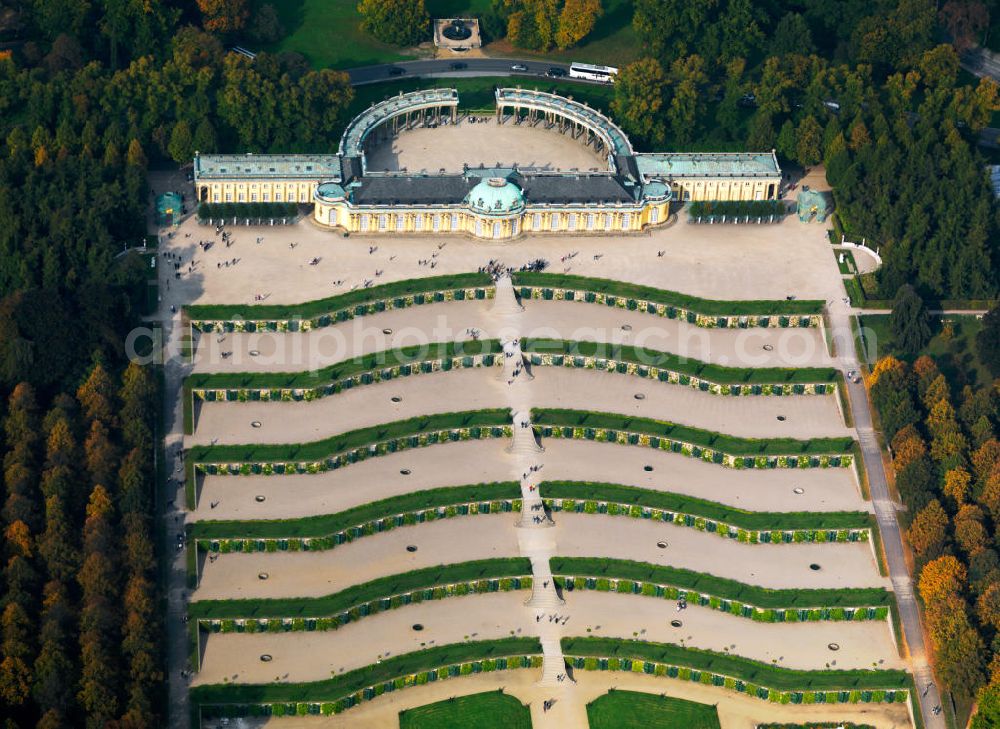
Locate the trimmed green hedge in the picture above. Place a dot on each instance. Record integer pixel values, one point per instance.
(383, 587)
(682, 365)
(720, 587)
(678, 503)
(345, 441)
(252, 210)
(346, 683)
(375, 361)
(326, 524)
(709, 307)
(731, 445)
(226, 312)
(783, 679)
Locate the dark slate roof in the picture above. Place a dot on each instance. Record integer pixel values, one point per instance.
(552, 189)
(412, 190)
(567, 189)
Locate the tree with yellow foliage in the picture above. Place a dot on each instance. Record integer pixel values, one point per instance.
(957, 483)
(576, 20)
(929, 530)
(941, 578)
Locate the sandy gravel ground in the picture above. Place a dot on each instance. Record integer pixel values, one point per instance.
(736, 711)
(313, 574)
(451, 321)
(454, 464)
(713, 261)
(805, 416)
(449, 147)
(773, 566)
(315, 656)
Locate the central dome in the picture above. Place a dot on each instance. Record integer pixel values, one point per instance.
(496, 196)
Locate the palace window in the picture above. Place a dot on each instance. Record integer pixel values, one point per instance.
(253, 197)
(496, 229)
(454, 221)
(383, 222)
(590, 221)
(215, 197)
(265, 197)
(241, 197)
(572, 221)
(626, 221)
(513, 227)
(277, 197)
(654, 215)
(364, 222)
(436, 223)
(420, 221)
(537, 224)
(608, 221)
(229, 197)
(479, 228)
(554, 221)
(400, 222)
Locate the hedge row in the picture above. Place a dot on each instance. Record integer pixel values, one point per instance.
(635, 297)
(599, 497)
(729, 531)
(734, 683)
(726, 450)
(397, 668)
(630, 577)
(312, 527)
(226, 545)
(384, 593)
(254, 210)
(375, 440)
(673, 368)
(778, 679)
(323, 312)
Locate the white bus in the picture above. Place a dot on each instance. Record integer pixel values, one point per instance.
(604, 74)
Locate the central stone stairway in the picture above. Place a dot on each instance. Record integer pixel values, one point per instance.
(523, 443)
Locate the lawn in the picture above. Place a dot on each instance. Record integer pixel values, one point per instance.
(476, 94)
(613, 41)
(728, 444)
(328, 33)
(635, 710)
(329, 605)
(953, 347)
(347, 683)
(485, 710)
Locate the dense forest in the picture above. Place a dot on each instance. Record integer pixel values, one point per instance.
(94, 93)
(868, 88)
(91, 95)
(946, 462)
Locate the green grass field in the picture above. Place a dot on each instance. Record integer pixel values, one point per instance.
(708, 307)
(346, 683)
(720, 587)
(729, 444)
(328, 33)
(668, 501)
(483, 711)
(635, 710)
(774, 677)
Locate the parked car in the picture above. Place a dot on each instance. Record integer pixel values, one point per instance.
(555, 72)
(519, 67)
(396, 71)
(458, 66)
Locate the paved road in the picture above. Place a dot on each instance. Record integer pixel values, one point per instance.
(885, 514)
(457, 68)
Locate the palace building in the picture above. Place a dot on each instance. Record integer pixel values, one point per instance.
(632, 192)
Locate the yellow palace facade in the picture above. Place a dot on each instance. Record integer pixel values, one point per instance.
(634, 192)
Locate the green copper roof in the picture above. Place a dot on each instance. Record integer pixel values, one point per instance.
(703, 164)
(495, 195)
